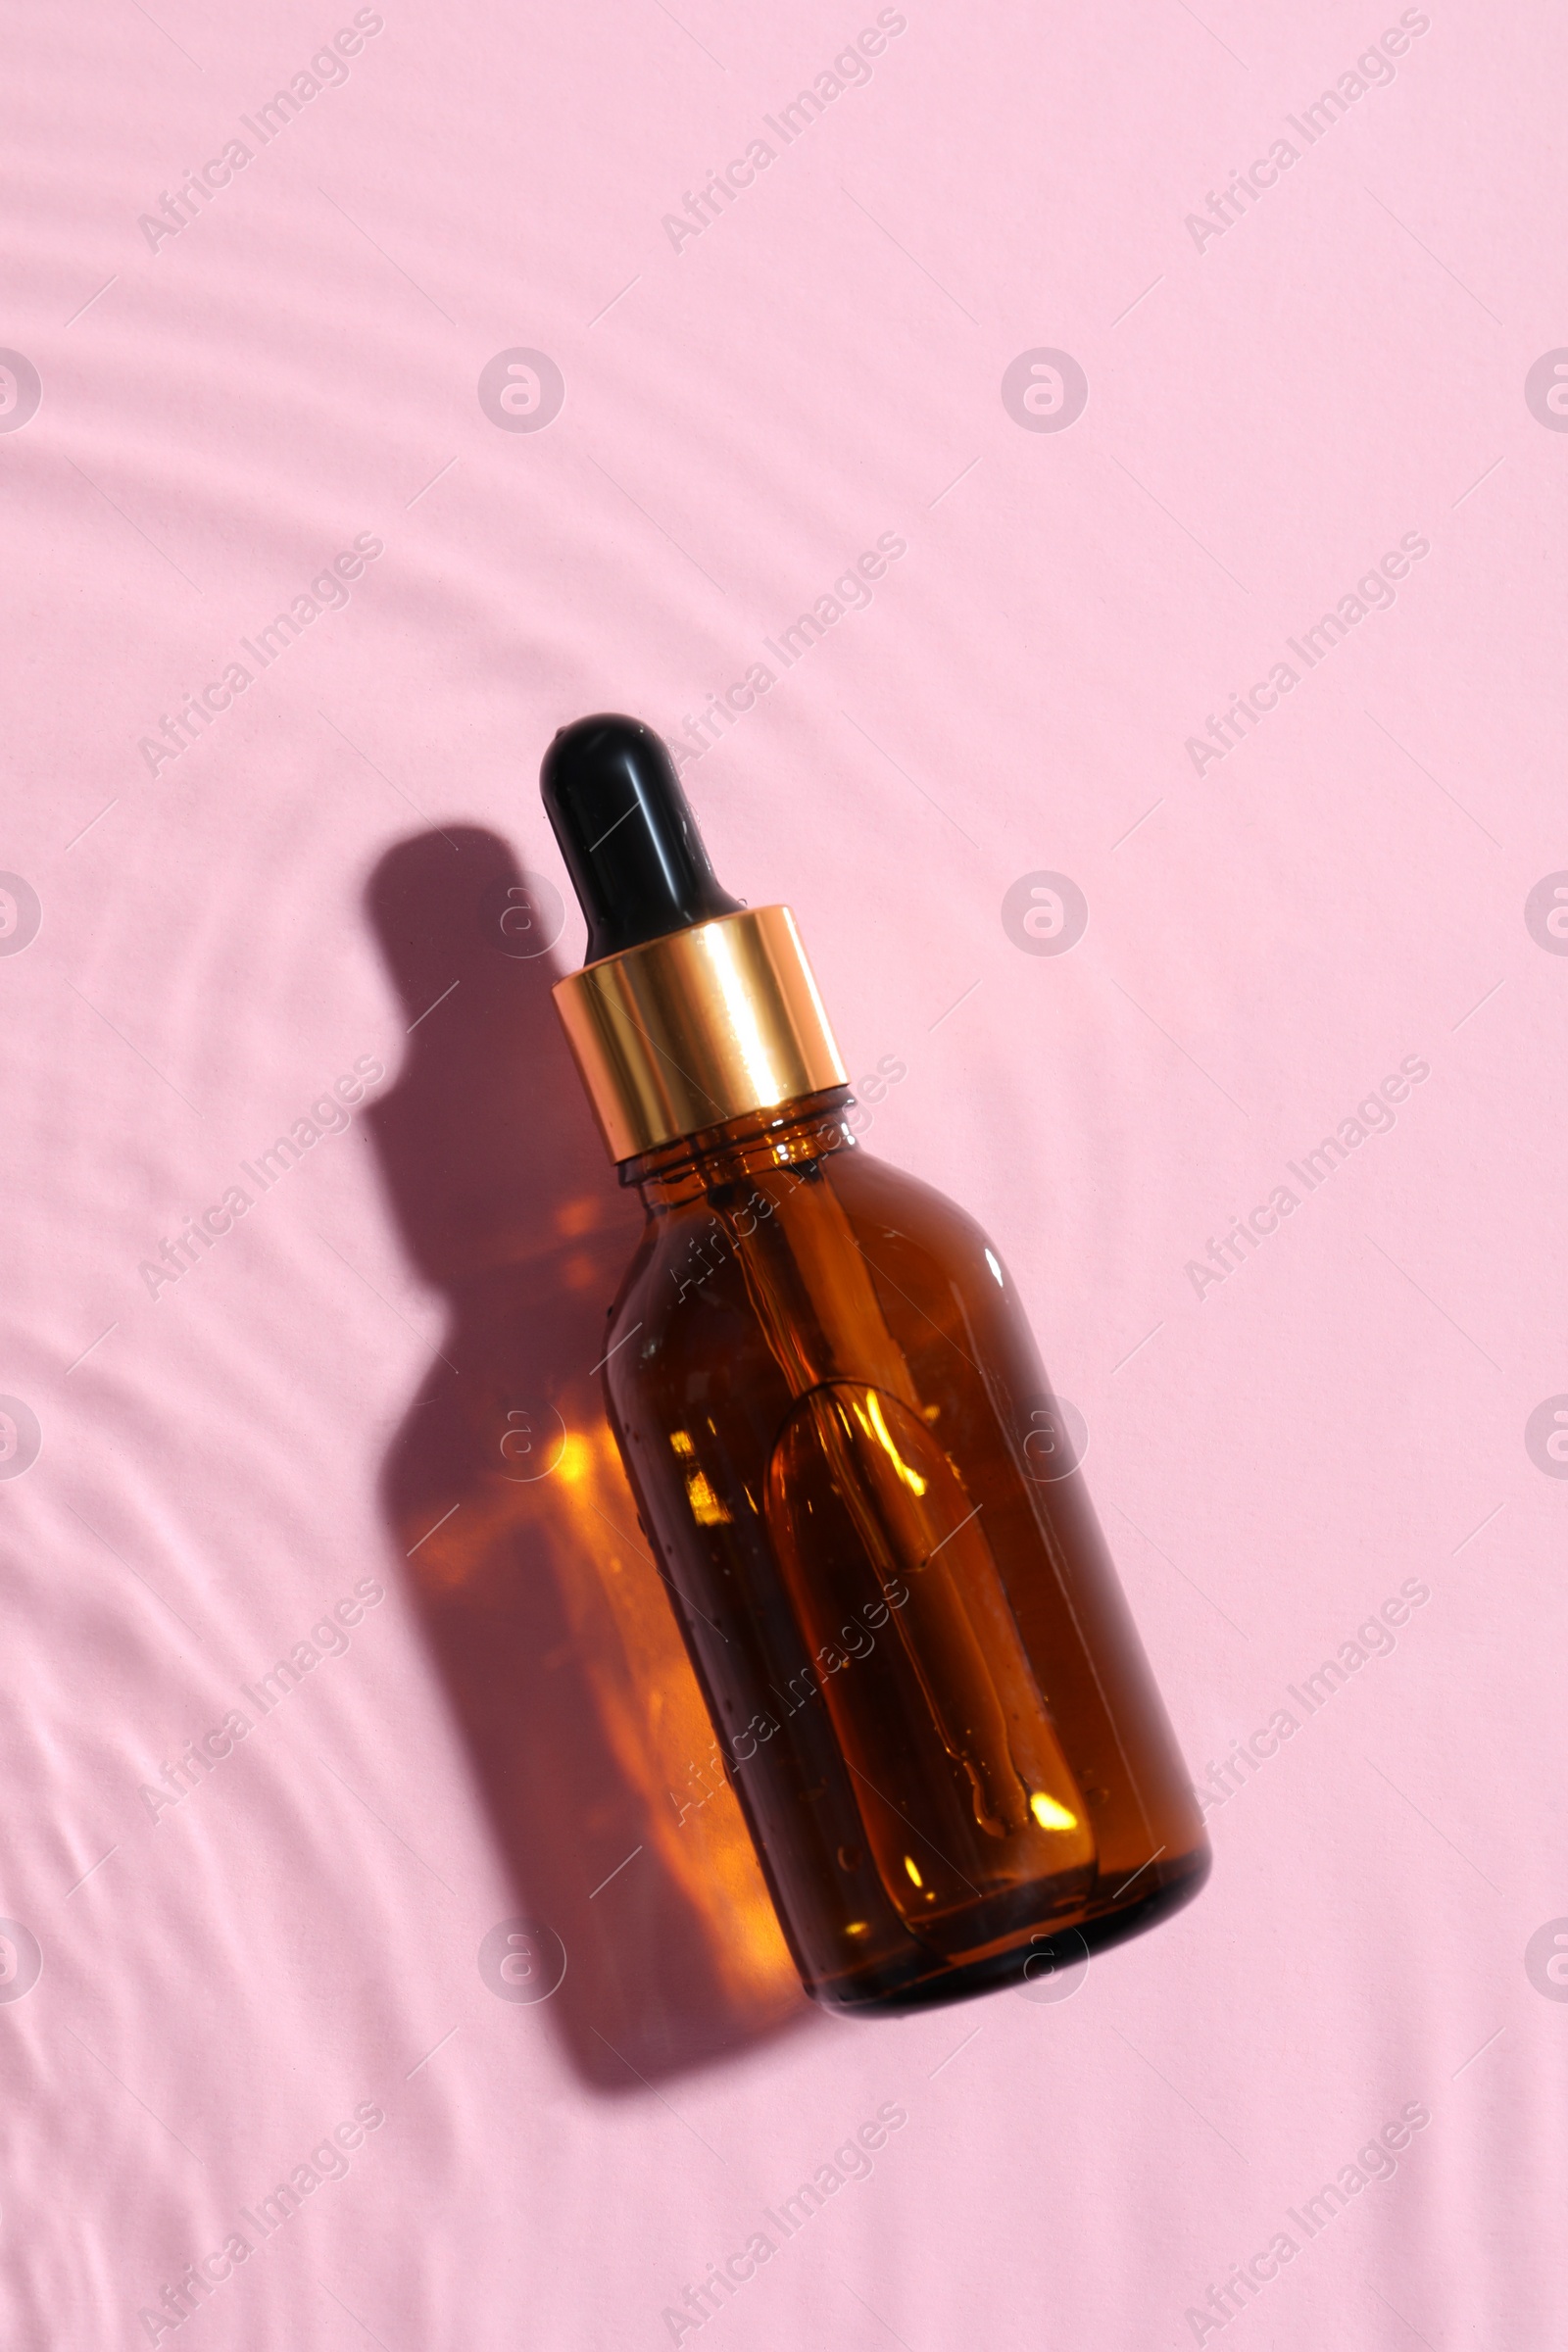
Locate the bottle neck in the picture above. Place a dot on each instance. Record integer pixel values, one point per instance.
(807, 1129)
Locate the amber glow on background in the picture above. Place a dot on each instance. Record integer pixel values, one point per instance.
(650, 1712)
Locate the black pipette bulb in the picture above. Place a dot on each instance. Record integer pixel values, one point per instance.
(628, 837)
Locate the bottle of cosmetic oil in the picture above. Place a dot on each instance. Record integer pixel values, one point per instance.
(922, 1677)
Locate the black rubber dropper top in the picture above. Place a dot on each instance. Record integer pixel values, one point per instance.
(630, 842)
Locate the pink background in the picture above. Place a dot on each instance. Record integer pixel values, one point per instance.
(1266, 418)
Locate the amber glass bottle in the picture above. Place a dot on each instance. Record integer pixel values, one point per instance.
(922, 1677)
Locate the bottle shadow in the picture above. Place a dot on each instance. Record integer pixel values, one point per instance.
(525, 1562)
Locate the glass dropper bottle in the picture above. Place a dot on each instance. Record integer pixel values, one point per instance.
(922, 1677)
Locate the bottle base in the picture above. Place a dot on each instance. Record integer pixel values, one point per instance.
(923, 1982)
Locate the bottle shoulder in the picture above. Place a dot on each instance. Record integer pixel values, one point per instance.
(849, 1244)
(925, 1241)
(871, 1191)
(872, 1188)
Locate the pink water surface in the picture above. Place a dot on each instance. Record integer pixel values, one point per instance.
(307, 891)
